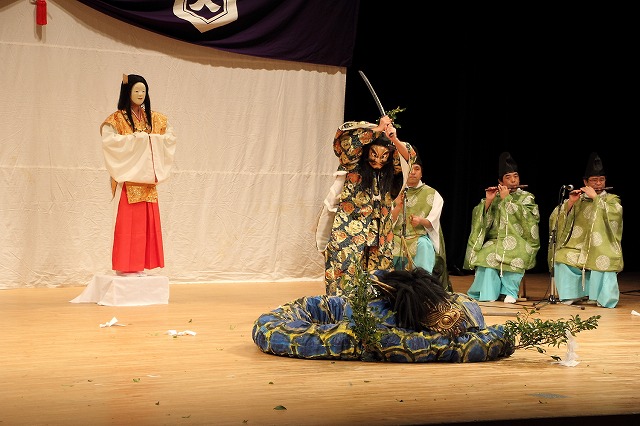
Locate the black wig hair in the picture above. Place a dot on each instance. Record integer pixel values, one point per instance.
(387, 179)
(413, 295)
(124, 102)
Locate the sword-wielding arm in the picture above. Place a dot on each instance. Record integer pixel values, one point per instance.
(393, 136)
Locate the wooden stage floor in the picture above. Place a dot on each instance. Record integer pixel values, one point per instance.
(59, 367)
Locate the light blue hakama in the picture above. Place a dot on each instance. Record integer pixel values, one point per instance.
(425, 256)
(488, 285)
(599, 286)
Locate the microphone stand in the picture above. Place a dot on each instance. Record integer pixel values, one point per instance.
(553, 234)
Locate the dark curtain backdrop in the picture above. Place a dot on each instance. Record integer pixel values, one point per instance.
(550, 87)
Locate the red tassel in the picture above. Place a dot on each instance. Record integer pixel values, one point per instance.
(41, 12)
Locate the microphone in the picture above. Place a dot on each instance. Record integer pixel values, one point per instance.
(567, 187)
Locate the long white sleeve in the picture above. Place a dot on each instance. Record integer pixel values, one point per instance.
(434, 218)
(138, 157)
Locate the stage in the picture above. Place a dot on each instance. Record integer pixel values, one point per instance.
(64, 364)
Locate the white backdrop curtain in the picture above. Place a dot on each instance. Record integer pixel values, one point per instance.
(253, 163)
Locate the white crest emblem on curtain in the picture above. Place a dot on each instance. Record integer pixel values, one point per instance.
(206, 15)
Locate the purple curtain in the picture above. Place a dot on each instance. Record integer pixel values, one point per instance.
(313, 31)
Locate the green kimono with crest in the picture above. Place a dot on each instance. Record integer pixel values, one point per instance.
(423, 201)
(589, 236)
(506, 236)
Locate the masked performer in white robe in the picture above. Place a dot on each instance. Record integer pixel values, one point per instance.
(139, 147)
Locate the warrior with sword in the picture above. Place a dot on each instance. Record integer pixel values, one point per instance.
(356, 227)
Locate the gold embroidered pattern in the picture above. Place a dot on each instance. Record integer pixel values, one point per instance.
(445, 319)
(119, 121)
(139, 192)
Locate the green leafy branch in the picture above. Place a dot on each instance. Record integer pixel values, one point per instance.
(365, 323)
(524, 333)
(527, 333)
(392, 115)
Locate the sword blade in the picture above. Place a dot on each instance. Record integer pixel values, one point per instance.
(373, 93)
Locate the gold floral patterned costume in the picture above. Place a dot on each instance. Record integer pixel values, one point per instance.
(362, 230)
